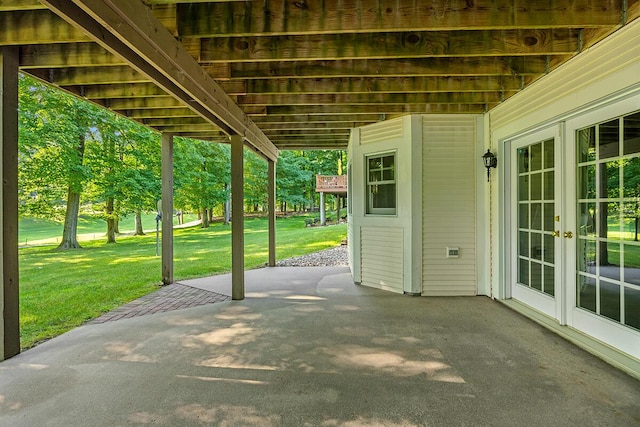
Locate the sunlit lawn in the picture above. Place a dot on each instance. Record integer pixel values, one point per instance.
(61, 290)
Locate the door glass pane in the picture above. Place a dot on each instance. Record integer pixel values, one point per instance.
(631, 177)
(586, 144)
(632, 307)
(536, 216)
(609, 222)
(536, 245)
(548, 248)
(632, 264)
(549, 280)
(536, 276)
(548, 153)
(523, 215)
(586, 219)
(609, 260)
(536, 186)
(524, 243)
(523, 160)
(548, 186)
(632, 134)
(587, 256)
(523, 271)
(609, 139)
(630, 221)
(536, 157)
(586, 293)
(549, 217)
(610, 300)
(587, 182)
(609, 180)
(523, 187)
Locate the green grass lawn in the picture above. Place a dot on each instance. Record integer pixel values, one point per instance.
(38, 231)
(60, 290)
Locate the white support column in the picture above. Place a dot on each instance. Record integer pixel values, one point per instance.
(272, 212)
(237, 218)
(167, 209)
(9, 292)
(323, 216)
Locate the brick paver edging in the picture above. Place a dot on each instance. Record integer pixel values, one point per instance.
(168, 298)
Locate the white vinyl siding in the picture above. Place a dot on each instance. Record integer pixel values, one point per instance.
(449, 205)
(383, 131)
(382, 258)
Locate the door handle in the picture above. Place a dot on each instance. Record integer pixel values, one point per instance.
(555, 233)
(568, 234)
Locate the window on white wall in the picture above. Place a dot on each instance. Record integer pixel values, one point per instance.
(381, 184)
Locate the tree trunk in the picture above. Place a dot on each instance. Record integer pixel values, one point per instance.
(70, 231)
(227, 205)
(205, 218)
(111, 221)
(138, 221)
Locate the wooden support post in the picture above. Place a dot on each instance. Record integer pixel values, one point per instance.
(272, 213)
(237, 218)
(167, 209)
(338, 208)
(323, 216)
(9, 293)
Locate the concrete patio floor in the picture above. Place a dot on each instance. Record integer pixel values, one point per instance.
(307, 347)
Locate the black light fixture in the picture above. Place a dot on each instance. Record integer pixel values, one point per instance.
(490, 161)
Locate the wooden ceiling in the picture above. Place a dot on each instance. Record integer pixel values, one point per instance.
(302, 72)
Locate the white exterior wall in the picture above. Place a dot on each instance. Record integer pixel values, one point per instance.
(450, 164)
(384, 248)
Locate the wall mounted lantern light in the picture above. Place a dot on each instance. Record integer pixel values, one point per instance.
(490, 161)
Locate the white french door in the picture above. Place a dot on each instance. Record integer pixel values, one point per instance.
(535, 228)
(572, 223)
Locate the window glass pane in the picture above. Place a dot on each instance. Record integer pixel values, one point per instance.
(632, 134)
(587, 256)
(374, 176)
(586, 144)
(609, 261)
(587, 182)
(632, 307)
(387, 175)
(586, 291)
(610, 300)
(374, 163)
(609, 144)
(586, 219)
(384, 195)
(632, 264)
(548, 154)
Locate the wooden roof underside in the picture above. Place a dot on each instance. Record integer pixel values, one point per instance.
(303, 73)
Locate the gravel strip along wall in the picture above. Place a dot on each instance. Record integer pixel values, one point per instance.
(335, 257)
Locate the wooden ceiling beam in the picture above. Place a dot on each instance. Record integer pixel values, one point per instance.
(374, 98)
(58, 55)
(14, 5)
(352, 16)
(415, 44)
(314, 132)
(130, 30)
(312, 119)
(378, 109)
(140, 90)
(458, 67)
(421, 84)
(159, 102)
(342, 125)
(79, 76)
(37, 26)
(157, 113)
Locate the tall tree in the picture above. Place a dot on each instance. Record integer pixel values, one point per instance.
(54, 128)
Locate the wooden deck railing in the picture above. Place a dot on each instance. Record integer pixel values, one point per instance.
(331, 183)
